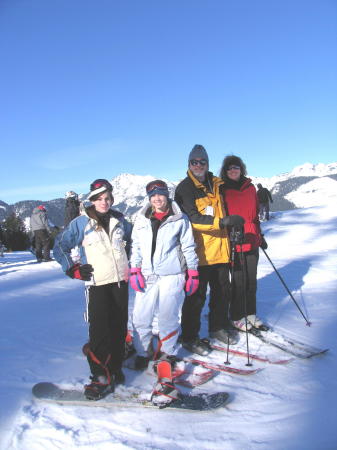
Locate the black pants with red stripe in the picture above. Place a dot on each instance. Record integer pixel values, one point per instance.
(108, 317)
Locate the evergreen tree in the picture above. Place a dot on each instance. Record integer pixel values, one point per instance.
(14, 233)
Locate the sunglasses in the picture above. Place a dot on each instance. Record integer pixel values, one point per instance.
(156, 185)
(101, 183)
(234, 168)
(200, 162)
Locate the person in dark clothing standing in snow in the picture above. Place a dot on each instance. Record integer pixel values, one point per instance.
(101, 234)
(72, 210)
(264, 197)
(200, 196)
(240, 198)
(72, 207)
(40, 227)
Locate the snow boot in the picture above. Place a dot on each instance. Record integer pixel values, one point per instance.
(119, 377)
(99, 387)
(198, 346)
(241, 324)
(257, 323)
(164, 391)
(225, 336)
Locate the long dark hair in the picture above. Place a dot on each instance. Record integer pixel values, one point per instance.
(232, 160)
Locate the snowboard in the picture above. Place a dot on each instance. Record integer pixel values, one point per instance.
(51, 393)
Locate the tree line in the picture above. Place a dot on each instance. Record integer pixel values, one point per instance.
(13, 234)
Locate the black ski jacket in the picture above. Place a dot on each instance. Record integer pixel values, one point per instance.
(72, 210)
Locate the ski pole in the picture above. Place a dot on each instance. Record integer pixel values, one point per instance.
(286, 287)
(244, 282)
(231, 290)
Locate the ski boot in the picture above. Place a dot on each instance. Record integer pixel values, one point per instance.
(99, 387)
(164, 391)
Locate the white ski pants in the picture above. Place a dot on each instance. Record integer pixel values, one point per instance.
(163, 299)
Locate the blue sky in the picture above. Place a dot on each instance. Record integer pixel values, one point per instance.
(92, 89)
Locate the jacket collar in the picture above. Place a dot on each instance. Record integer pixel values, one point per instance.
(211, 178)
(174, 214)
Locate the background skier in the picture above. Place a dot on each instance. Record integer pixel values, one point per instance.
(72, 207)
(40, 227)
(264, 197)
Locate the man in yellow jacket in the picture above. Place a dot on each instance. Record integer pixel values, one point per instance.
(200, 196)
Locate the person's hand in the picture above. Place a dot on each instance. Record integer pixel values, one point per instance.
(231, 221)
(263, 244)
(81, 272)
(137, 281)
(192, 282)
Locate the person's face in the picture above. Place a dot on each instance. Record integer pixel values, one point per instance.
(103, 203)
(198, 167)
(159, 202)
(234, 172)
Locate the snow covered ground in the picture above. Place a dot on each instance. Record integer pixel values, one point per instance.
(283, 407)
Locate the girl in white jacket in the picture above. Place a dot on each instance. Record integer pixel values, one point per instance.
(162, 254)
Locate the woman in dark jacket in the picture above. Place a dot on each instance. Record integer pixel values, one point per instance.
(240, 198)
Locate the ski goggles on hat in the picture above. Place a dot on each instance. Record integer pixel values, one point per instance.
(157, 187)
(101, 182)
(157, 184)
(233, 167)
(200, 162)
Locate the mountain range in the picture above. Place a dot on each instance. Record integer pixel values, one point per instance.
(305, 186)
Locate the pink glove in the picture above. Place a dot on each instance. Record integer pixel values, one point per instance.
(137, 281)
(192, 282)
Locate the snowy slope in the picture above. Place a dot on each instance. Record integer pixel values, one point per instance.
(319, 191)
(289, 407)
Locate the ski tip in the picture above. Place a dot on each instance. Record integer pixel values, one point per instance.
(320, 352)
(40, 390)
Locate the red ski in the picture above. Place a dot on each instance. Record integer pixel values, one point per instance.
(222, 367)
(251, 355)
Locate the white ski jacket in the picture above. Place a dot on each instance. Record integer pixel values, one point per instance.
(175, 246)
(106, 253)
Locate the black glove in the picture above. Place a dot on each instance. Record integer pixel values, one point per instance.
(80, 271)
(263, 244)
(231, 221)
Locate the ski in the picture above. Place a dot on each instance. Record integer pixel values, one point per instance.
(222, 367)
(288, 345)
(51, 393)
(265, 359)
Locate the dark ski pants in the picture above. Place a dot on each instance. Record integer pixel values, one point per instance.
(243, 293)
(108, 317)
(217, 277)
(264, 211)
(42, 243)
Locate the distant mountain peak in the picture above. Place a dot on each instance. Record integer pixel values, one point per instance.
(314, 170)
(306, 185)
